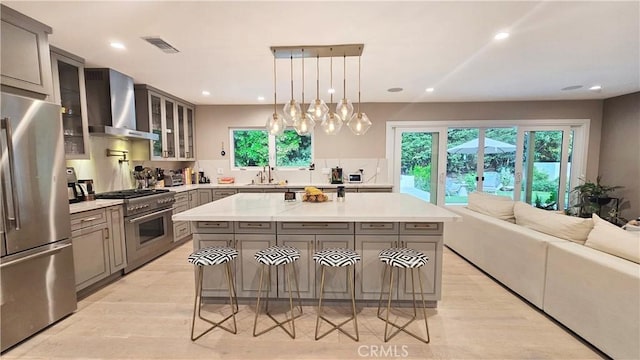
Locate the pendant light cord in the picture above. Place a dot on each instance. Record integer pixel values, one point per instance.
(291, 76)
(275, 109)
(359, 57)
(331, 80)
(344, 78)
(318, 76)
(302, 103)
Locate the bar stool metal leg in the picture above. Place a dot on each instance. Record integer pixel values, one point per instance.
(197, 306)
(292, 331)
(388, 335)
(335, 326)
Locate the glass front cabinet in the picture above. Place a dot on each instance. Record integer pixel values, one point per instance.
(171, 119)
(69, 93)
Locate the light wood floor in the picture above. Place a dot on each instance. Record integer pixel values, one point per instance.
(146, 315)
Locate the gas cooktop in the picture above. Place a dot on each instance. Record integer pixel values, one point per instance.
(130, 193)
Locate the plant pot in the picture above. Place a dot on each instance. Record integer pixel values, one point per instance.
(600, 200)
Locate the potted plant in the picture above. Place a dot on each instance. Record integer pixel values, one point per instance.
(592, 196)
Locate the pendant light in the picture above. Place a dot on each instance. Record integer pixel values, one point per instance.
(292, 109)
(304, 124)
(318, 109)
(275, 122)
(332, 122)
(345, 107)
(359, 123)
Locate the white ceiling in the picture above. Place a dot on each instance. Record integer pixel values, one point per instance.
(224, 47)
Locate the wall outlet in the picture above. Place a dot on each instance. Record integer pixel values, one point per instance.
(326, 171)
(220, 171)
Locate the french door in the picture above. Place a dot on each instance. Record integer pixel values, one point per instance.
(419, 162)
(543, 166)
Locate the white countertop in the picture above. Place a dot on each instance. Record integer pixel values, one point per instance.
(272, 186)
(92, 205)
(371, 207)
(101, 203)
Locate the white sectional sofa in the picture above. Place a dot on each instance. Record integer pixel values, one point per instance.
(593, 293)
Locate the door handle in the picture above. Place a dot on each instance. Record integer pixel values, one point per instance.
(14, 197)
(55, 250)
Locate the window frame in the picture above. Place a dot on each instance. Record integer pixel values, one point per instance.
(272, 150)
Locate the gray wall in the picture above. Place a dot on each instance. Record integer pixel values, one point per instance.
(620, 150)
(213, 122)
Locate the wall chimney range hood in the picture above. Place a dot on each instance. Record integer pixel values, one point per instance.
(111, 105)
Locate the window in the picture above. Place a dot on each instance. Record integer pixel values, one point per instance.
(256, 148)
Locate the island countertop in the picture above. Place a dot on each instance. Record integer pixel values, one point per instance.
(357, 207)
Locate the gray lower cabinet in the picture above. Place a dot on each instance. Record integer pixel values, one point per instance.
(181, 229)
(204, 196)
(309, 237)
(368, 239)
(98, 245)
(371, 238)
(427, 238)
(90, 254)
(215, 282)
(117, 245)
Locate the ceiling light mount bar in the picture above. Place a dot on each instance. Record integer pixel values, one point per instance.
(286, 52)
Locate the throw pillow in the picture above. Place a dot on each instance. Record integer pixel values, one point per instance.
(500, 207)
(563, 226)
(613, 240)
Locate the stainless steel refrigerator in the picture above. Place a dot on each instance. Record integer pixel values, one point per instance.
(36, 265)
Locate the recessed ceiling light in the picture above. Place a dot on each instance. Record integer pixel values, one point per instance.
(118, 45)
(395, 89)
(572, 87)
(260, 98)
(331, 91)
(205, 93)
(430, 89)
(501, 35)
(595, 88)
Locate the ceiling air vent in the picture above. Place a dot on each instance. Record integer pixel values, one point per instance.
(161, 44)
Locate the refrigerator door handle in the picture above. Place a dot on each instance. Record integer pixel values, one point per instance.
(4, 124)
(49, 252)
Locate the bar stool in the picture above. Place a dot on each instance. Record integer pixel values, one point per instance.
(210, 256)
(337, 257)
(402, 258)
(276, 256)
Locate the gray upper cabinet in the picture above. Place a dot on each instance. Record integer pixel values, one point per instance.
(171, 119)
(25, 62)
(70, 93)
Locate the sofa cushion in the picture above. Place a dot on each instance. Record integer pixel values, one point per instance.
(613, 240)
(563, 226)
(500, 207)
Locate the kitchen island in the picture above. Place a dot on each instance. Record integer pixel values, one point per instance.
(366, 222)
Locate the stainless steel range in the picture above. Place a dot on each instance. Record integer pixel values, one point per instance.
(147, 223)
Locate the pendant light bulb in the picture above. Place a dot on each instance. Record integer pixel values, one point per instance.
(318, 109)
(331, 124)
(275, 122)
(304, 124)
(359, 122)
(345, 107)
(291, 109)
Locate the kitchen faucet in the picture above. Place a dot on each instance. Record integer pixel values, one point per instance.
(261, 175)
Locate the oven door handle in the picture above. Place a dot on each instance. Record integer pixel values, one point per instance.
(149, 215)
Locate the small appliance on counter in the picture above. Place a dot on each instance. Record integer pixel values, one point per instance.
(173, 179)
(336, 175)
(88, 188)
(75, 192)
(355, 178)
